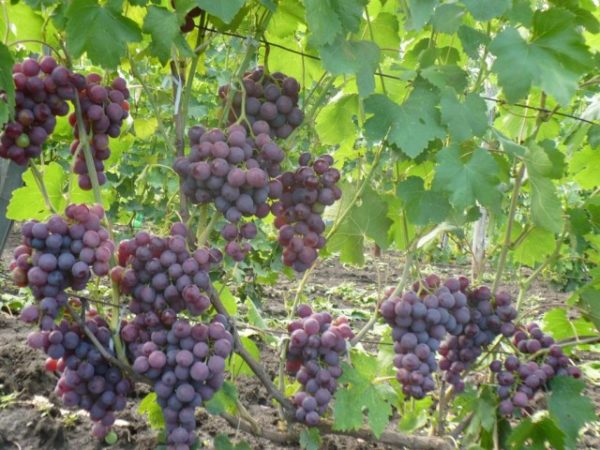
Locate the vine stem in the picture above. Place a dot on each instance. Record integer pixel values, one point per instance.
(39, 180)
(203, 237)
(340, 218)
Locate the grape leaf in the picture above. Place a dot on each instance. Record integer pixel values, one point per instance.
(554, 59)
(163, 27)
(569, 409)
(369, 219)
(330, 19)
(310, 439)
(422, 206)
(447, 18)
(584, 168)
(236, 365)
(353, 57)
(420, 11)
(100, 31)
(360, 393)
(557, 323)
(335, 123)
(487, 9)
(464, 119)
(151, 409)
(532, 434)
(6, 84)
(288, 16)
(411, 126)
(546, 208)
(386, 29)
(466, 182)
(538, 244)
(446, 76)
(223, 9)
(589, 302)
(471, 40)
(222, 442)
(224, 400)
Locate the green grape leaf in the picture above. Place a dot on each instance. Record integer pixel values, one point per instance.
(310, 439)
(335, 123)
(420, 11)
(236, 365)
(584, 167)
(536, 434)
(223, 9)
(422, 206)
(554, 58)
(546, 208)
(359, 394)
(447, 18)
(589, 302)
(448, 76)
(471, 40)
(569, 409)
(288, 16)
(163, 27)
(100, 31)
(6, 84)
(557, 323)
(330, 19)
(353, 57)
(410, 126)
(224, 400)
(475, 179)
(464, 119)
(151, 409)
(369, 219)
(538, 244)
(487, 9)
(386, 30)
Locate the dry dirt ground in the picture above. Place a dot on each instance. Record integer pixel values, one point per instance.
(31, 417)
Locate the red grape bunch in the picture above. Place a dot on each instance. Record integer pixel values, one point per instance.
(272, 98)
(519, 380)
(60, 254)
(87, 380)
(317, 342)
(232, 171)
(303, 196)
(103, 109)
(186, 364)
(41, 90)
(162, 276)
(489, 316)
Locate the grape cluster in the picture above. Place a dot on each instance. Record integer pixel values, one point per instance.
(41, 92)
(186, 364)
(302, 197)
(272, 98)
(233, 171)
(103, 110)
(520, 380)
(316, 344)
(59, 254)
(87, 380)
(488, 317)
(162, 276)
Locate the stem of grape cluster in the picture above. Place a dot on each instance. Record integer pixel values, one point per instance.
(203, 237)
(39, 180)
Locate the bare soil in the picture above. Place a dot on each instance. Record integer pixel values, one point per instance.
(31, 417)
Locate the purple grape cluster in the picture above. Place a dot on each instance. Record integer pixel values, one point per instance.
(162, 276)
(41, 92)
(303, 196)
(103, 109)
(520, 380)
(317, 342)
(87, 380)
(233, 171)
(272, 98)
(186, 364)
(489, 316)
(59, 254)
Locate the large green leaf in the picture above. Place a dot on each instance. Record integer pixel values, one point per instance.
(487, 9)
(536, 435)
(152, 410)
(329, 20)
(6, 84)
(163, 26)
(538, 244)
(410, 126)
(554, 58)
(422, 206)
(569, 409)
(100, 31)
(223, 9)
(358, 58)
(420, 11)
(335, 123)
(469, 180)
(464, 119)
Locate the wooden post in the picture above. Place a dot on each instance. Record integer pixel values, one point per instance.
(11, 178)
